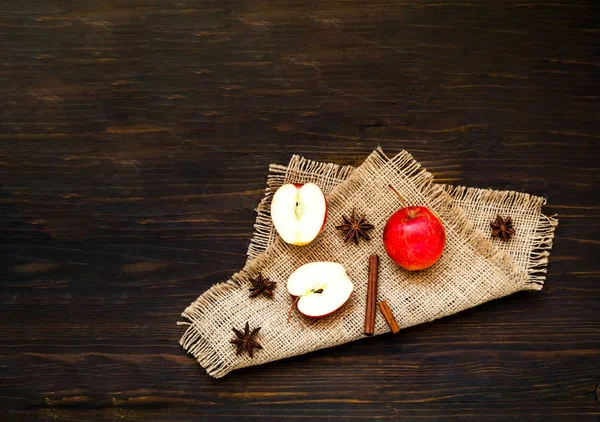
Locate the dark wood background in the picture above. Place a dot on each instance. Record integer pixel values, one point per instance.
(135, 139)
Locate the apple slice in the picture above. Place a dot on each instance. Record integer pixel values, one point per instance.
(320, 288)
(299, 212)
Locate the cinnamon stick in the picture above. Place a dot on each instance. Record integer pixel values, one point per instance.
(389, 317)
(371, 295)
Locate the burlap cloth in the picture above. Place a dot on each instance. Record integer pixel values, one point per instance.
(472, 270)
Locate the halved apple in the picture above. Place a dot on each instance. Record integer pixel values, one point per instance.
(299, 212)
(320, 288)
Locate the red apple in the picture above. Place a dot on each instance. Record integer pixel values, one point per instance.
(414, 237)
(319, 288)
(299, 212)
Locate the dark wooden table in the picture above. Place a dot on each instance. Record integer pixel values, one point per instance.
(135, 139)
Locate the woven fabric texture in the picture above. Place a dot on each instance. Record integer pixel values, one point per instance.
(472, 270)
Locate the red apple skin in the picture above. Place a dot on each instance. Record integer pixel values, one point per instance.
(326, 214)
(414, 238)
(320, 316)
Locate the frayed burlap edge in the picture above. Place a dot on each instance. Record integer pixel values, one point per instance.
(544, 232)
(193, 342)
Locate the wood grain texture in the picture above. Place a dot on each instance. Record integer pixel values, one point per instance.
(134, 142)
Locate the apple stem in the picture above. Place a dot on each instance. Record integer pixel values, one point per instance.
(292, 308)
(399, 196)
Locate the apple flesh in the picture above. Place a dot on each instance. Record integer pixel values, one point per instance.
(320, 288)
(414, 237)
(299, 212)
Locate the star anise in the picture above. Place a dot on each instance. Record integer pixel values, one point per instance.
(355, 227)
(502, 228)
(245, 340)
(260, 285)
